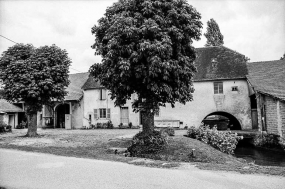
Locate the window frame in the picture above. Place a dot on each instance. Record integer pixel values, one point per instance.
(102, 95)
(218, 87)
(102, 111)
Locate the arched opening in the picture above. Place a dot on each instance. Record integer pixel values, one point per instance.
(61, 110)
(222, 120)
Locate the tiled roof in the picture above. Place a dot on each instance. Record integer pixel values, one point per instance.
(268, 77)
(76, 82)
(5, 106)
(91, 83)
(210, 66)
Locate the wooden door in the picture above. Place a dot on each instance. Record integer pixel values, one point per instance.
(125, 115)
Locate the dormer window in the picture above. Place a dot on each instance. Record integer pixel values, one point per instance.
(214, 63)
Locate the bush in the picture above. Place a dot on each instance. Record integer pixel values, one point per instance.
(224, 141)
(99, 125)
(110, 125)
(169, 130)
(5, 128)
(267, 141)
(130, 125)
(145, 144)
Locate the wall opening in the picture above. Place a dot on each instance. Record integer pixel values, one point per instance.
(222, 120)
(61, 110)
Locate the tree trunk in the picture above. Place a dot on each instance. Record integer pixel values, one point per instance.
(32, 125)
(147, 120)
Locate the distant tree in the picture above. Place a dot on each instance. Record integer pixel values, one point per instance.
(147, 50)
(283, 57)
(213, 34)
(36, 76)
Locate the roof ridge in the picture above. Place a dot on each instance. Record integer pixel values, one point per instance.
(265, 61)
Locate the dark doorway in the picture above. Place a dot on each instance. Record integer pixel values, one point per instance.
(61, 110)
(222, 120)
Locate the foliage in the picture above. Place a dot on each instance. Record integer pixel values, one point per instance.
(147, 50)
(130, 125)
(99, 125)
(213, 34)
(110, 125)
(267, 141)
(5, 128)
(169, 130)
(37, 76)
(34, 75)
(145, 144)
(224, 141)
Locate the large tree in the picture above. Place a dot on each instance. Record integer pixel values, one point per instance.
(35, 76)
(213, 34)
(147, 50)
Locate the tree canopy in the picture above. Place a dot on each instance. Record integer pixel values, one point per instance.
(36, 76)
(147, 50)
(213, 34)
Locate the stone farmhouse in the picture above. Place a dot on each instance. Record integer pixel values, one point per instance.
(238, 96)
(267, 85)
(216, 93)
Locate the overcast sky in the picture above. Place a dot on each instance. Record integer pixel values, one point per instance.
(255, 28)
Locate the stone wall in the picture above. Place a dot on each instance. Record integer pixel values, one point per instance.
(275, 116)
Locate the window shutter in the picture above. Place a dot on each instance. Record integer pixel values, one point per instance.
(95, 113)
(108, 113)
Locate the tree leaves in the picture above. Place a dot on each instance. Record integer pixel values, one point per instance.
(213, 34)
(147, 49)
(34, 75)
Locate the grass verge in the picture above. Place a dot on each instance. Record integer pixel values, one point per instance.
(99, 144)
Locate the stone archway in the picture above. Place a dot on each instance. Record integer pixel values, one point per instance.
(60, 111)
(223, 120)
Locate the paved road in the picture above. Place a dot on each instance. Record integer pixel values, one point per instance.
(34, 170)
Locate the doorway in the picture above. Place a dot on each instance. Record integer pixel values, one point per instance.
(125, 115)
(61, 110)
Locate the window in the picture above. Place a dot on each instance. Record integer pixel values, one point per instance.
(102, 113)
(102, 94)
(234, 88)
(218, 87)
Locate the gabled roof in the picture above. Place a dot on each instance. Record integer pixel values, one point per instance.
(91, 83)
(219, 62)
(5, 106)
(74, 88)
(268, 77)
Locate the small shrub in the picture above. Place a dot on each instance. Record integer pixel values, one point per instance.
(110, 125)
(169, 130)
(130, 125)
(104, 125)
(282, 142)
(145, 144)
(121, 126)
(267, 141)
(225, 141)
(5, 128)
(99, 125)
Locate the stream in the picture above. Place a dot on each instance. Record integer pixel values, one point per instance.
(260, 156)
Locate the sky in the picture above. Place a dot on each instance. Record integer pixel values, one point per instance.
(255, 28)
